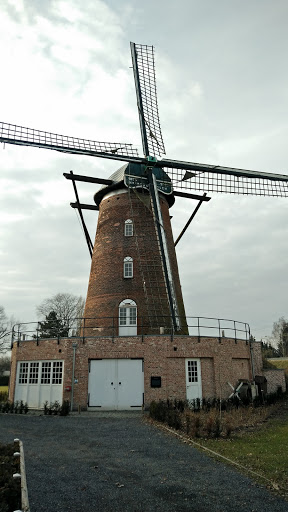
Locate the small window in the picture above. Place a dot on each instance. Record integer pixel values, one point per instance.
(34, 371)
(192, 371)
(46, 373)
(128, 267)
(128, 231)
(57, 372)
(23, 373)
(122, 316)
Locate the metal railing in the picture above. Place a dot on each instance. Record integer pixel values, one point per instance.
(98, 327)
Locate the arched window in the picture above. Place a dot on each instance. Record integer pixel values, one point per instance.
(128, 267)
(127, 318)
(128, 230)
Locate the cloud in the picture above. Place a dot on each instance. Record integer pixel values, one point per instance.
(222, 99)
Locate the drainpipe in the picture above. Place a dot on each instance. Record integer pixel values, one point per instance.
(74, 346)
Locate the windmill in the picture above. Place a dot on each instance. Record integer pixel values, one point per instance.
(151, 183)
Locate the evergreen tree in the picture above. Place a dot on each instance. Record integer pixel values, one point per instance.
(268, 350)
(52, 327)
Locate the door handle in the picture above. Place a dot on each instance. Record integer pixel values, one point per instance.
(111, 383)
(120, 383)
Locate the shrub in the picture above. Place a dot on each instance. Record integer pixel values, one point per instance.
(216, 417)
(14, 407)
(174, 419)
(217, 427)
(65, 408)
(54, 408)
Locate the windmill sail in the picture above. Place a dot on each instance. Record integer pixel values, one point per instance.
(230, 180)
(145, 84)
(23, 136)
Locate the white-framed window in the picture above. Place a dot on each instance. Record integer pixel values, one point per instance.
(46, 372)
(128, 229)
(128, 267)
(57, 372)
(23, 373)
(40, 372)
(128, 318)
(34, 373)
(192, 371)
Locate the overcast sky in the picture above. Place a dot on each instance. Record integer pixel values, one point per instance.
(222, 91)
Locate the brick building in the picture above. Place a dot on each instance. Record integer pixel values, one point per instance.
(109, 371)
(129, 350)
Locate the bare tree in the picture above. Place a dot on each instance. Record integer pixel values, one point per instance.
(5, 331)
(67, 308)
(280, 336)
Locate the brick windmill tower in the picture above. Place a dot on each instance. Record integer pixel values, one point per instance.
(134, 280)
(134, 284)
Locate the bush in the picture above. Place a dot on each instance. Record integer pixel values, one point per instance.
(54, 408)
(11, 407)
(216, 417)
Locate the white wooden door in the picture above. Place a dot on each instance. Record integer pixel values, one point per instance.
(38, 382)
(128, 321)
(130, 381)
(193, 379)
(116, 384)
(101, 383)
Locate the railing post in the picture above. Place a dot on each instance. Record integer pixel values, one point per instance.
(12, 336)
(249, 334)
(37, 334)
(198, 325)
(83, 337)
(219, 329)
(172, 330)
(235, 332)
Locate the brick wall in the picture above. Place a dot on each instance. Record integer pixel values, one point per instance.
(220, 362)
(256, 349)
(275, 379)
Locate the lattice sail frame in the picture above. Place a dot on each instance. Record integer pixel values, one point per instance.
(228, 184)
(208, 178)
(21, 135)
(147, 83)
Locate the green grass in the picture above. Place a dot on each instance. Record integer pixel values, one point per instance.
(264, 450)
(280, 364)
(3, 389)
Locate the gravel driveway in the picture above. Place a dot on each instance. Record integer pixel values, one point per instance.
(116, 462)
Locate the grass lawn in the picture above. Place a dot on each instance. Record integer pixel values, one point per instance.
(280, 363)
(3, 389)
(252, 440)
(263, 450)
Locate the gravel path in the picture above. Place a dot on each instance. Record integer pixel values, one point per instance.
(116, 462)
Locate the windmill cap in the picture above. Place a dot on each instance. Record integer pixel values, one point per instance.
(135, 170)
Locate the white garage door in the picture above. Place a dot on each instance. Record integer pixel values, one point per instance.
(116, 384)
(38, 382)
